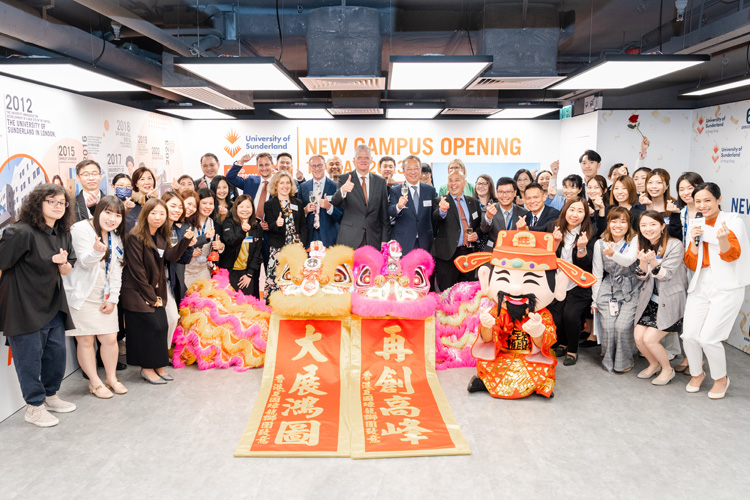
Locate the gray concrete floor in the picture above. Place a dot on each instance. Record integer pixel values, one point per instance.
(602, 436)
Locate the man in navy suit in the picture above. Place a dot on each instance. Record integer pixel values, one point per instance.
(363, 196)
(504, 214)
(540, 215)
(412, 214)
(322, 218)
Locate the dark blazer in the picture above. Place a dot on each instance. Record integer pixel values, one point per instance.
(499, 223)
(584, 262)
(132, 217)
(276, 234)
(248, 185)
(143, 279)
(412, 229)
(329, 224)
(448, 229)
(548, 214)
(232, 235)
(369, 222)
(82, 211)
(177, 269)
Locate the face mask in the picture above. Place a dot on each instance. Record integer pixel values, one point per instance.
(123, 193)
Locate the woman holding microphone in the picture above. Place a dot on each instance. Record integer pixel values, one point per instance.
(721, 262)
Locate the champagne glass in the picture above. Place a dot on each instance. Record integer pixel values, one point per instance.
(313, 197)
(469, 232)
(404, 189)
(174, 240)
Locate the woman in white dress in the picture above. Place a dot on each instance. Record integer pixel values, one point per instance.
(93, 289)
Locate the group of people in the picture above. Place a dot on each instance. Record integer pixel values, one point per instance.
(102, 267)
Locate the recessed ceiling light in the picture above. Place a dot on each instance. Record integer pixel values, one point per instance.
(522, 113)
(355, 111)
(619, 72)
(240, 73)
(435, 72)
(67, 74)
(720, 87)
(197, 113)
(303, 113)
(412, 113)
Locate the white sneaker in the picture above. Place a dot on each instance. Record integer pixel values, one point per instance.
(54, 403)
(39, 416)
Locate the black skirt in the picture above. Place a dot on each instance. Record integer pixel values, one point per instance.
(648, 318)
(146, 338)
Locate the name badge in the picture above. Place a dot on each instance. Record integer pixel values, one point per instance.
(427, 203)
(248, 239)
(295, 208)
(161, 252)
(474, 215)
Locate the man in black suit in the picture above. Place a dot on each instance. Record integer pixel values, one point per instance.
(454, 215)
(88, 175)
(504, 214)
(540, 215)
(412, 213)
(322, 218)
(363, 197)
(210, 167)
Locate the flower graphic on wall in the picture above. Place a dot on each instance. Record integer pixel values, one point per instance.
(232, 136)
(634, 124)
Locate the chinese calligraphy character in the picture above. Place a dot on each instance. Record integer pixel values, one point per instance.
(388, 382)
(410, 429)
(308, 382)
(306, 433)
(305, 406)
(394, 344)
(400, 405)
(307, 346)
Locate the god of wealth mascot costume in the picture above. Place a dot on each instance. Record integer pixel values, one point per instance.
(513, 348)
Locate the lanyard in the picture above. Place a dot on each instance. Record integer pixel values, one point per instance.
(106, 266)
(684, 225)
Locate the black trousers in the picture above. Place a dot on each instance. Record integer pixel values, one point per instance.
(568, 315)
(251, 289)
(446, 272)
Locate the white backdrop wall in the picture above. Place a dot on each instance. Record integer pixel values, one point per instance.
(45, 133)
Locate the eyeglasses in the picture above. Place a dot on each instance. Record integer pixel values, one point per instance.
(317, 165)
(505, 192)
(87, 175)
(482, 184)
(55, 203)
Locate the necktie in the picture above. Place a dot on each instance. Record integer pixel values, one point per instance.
(533, 220)
(464, 222)
(262, 200)
(508, 219)
(415, 198)
(364, 188)
(317, 192)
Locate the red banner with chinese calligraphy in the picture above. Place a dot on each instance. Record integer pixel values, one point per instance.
(365, 388)
(398, 407)
(301, 408)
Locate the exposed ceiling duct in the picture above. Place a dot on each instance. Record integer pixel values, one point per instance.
(522, 40)
(25, 24)
(343, 49)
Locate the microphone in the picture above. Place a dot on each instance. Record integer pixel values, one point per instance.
(698, 223)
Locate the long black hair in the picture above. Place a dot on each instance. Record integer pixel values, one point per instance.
(113, 204)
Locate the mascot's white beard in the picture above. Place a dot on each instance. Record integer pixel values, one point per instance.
(517, 312)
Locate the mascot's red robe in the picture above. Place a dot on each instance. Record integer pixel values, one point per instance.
(512, 366)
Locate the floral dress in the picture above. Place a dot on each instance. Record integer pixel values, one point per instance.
(291, 234)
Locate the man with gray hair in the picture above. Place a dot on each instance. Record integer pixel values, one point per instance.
(322, 217)
(412, 212)
(363, 197)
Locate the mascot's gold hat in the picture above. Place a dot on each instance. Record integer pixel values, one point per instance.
(525, 251)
